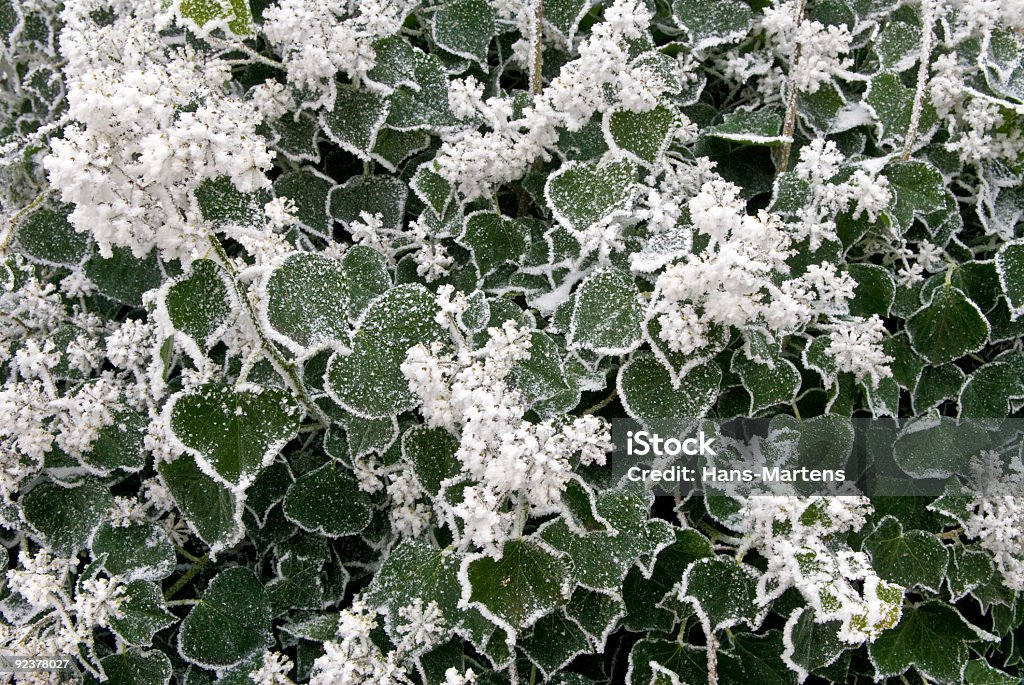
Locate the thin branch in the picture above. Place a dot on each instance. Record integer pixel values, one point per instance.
(927, 19)
(789, 124)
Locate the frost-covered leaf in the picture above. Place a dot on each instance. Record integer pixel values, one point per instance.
(980, 672)
(640, 136)
(143, 613)
(931, 637)
(892, 104)
(930, 448)
(137, 667)
(139, 550)
(66, 516)
(648, 393)
(307, 301)
(565, 15)
(542, 377)
(875, 290)
(47, 236)
(948, 327)
(899, 45)
(465, 28)
(328, 501)
(722, 591)
(601, 559)
(1010, 265)
(810, 645)
(908, 558)
(607, 316)
(206, 15)
(366, 275)
(989, 389)
(394, 147)
(526, 582)
(917, 189)
(553, 642)
(757, 658)
(968, 569)
(424, 107)
(414, 569)
(431, 451)
(493, 240)
(583, 194)
(234, 433)
(230, 623)
(369, 381)
(384, 195)
(935, 385)
(309, 190)
(124, 277)
(712, 23)
(767, 385)
(355, 120)
(761, 127)
(211, 509)
(200, 303)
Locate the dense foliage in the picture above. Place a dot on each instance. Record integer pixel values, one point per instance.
(313, 317)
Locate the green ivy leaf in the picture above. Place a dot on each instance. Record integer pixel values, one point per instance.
(948, 327)
(369, 381)
(309, 190)
(384, 195)
(810, 645)
(875, 290)
(647, 392)
(211, 509)
(932, 638)
(892, 103)
(230, 623)
(979, 672)
(910, 559)
(515, 590)
(968, 569)
(465, 28)
(123, 276)
(642, 137)
(139, 550)
(989, 390)
(199, 304)
(584, 194)
(394, 147)
(425, 106)
(712, 23)
(565, 15)
(607, 316)
(722, 592)
(234, 433)
(431, 451)
(366, 273)
(356, 119)
(493, 239)
(761, 127)
(766, 384)
(307, 301)
(1010, 266)
(553, 642)
(601, 559)
(933, 448)
(66, 516)
(46, 235)
(935, 385)
(917, 189)
(142, 613)
(414, 569)
(137, 667)
(328, 501)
